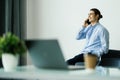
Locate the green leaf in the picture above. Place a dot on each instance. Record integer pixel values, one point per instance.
(11, 43)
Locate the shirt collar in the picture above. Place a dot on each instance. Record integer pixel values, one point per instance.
(94, 24)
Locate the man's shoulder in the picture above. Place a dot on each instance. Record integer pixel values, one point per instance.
(101, 27)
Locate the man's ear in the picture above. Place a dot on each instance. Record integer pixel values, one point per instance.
(97, 16)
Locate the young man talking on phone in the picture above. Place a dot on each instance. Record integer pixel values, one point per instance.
(97, 40)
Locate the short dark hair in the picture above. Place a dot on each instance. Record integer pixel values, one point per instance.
(97, 12)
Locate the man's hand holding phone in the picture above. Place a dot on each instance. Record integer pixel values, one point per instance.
(86, 22)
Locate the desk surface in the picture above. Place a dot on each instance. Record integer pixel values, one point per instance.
(30, 72)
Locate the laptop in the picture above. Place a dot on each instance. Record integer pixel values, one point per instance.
(48, 54)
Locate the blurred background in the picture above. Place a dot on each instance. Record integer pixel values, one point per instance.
(62, 20)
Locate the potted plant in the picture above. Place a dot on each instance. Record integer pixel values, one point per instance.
(11, 46)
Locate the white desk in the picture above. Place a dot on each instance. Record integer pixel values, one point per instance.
(30, 72)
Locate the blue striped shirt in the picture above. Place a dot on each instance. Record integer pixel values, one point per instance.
(97, 39)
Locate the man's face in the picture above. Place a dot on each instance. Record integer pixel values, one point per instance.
(92, 17)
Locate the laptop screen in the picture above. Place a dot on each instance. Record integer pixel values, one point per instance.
(46, 54)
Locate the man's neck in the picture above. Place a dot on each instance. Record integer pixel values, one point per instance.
(93, 23)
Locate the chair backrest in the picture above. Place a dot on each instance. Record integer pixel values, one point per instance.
(111, 59)
(112, 54)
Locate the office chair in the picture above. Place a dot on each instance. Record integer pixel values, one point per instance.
(111, 59)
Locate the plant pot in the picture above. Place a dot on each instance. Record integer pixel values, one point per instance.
(9, 61)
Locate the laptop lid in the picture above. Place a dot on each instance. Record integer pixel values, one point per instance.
(46, 54)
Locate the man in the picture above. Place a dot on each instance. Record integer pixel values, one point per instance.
(96, 35)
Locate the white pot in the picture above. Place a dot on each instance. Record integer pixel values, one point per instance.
(9, 61)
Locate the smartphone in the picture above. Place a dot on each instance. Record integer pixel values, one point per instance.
(88, 21)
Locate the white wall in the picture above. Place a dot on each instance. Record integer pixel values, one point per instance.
(62, 19)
